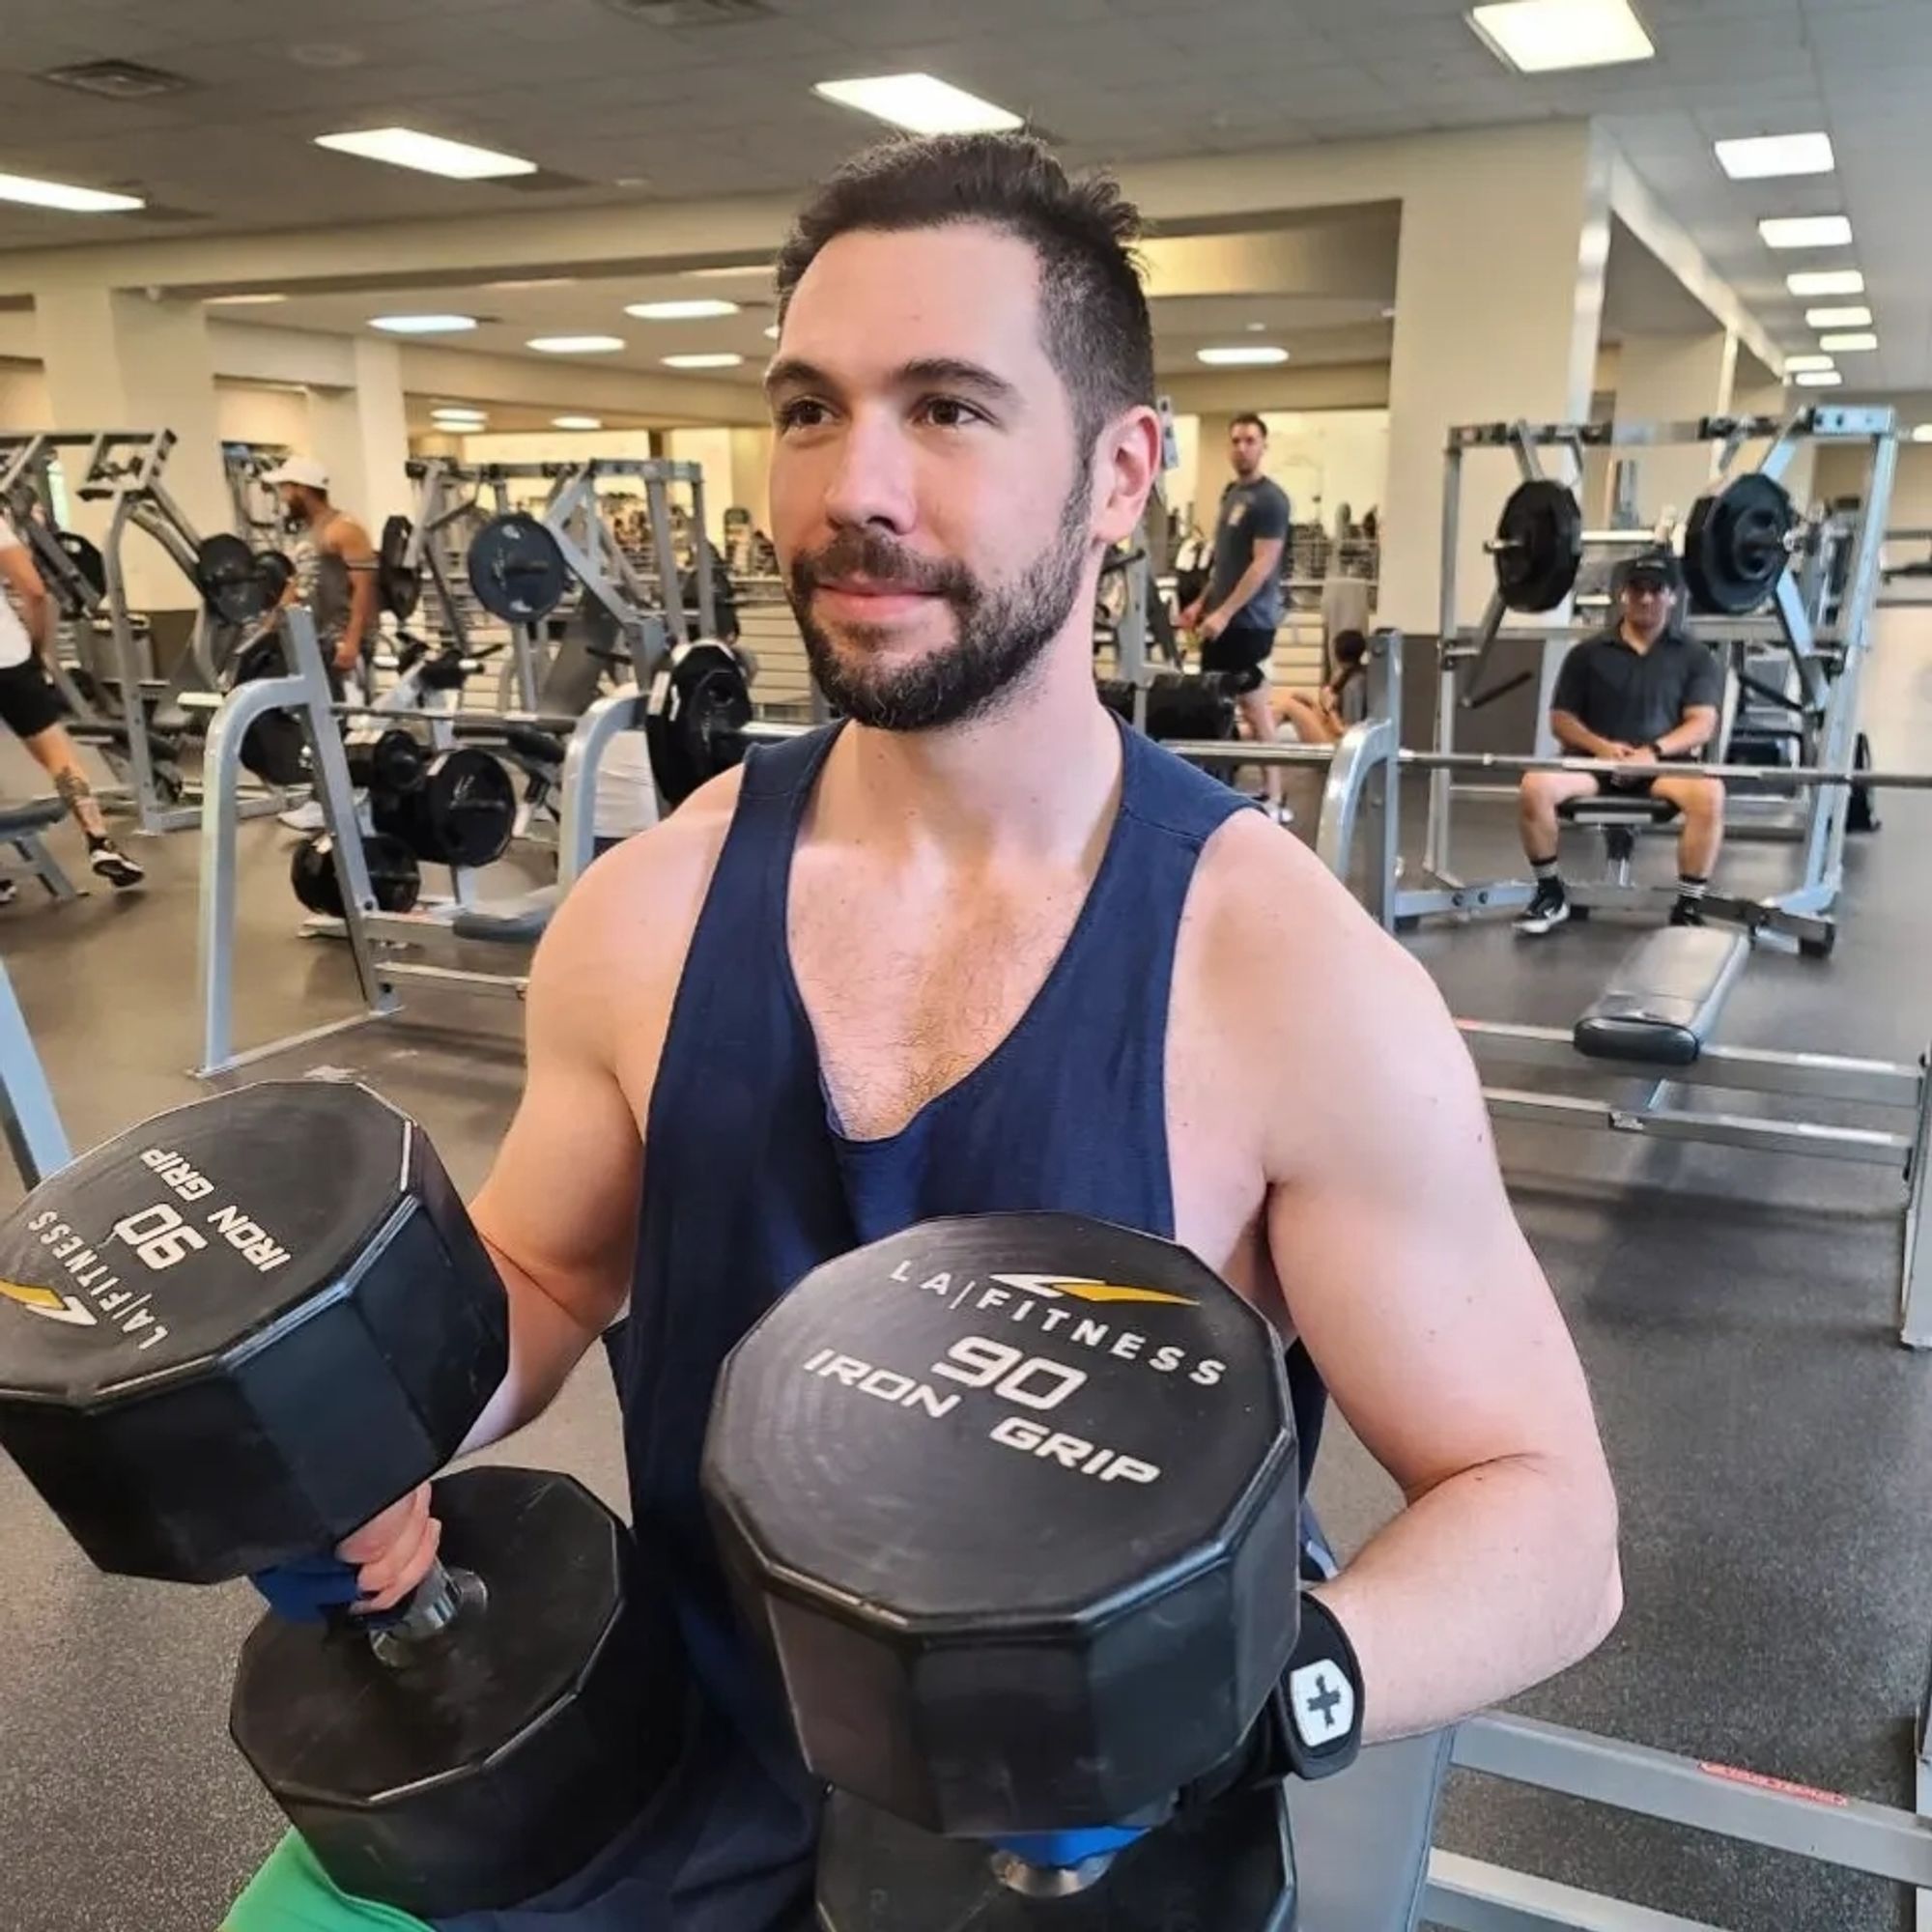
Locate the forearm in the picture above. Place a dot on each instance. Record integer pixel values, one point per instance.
(1689, 734)
(1574, 736)
(37, 615)
(362, 611)
(1499, 1577)
(547, 1342)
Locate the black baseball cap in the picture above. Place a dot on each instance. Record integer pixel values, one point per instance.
(1656, 568)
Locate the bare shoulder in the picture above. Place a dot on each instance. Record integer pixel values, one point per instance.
(608, 966)
(346, 537)
(1333, 1032)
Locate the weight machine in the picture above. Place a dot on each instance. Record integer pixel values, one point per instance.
(258, 510)
(1738, 551)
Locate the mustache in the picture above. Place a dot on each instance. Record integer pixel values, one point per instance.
(877, 558)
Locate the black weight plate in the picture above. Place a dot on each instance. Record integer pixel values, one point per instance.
(1227, 1867)
(1542, 526)
(463, 814)
(515, 569)
(498, 1759)
(395, 878)
(87, 560)
(312, 874)
(390, 760)
(1736, 544)
(1015, 1497)
(398, 582)
(230, 580)
(277, 573)
(275, 747)
(210, 1361)
(695, 723)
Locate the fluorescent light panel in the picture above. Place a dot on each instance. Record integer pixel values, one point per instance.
(239, 301)
(1850, 345)
(699, 310)
(1544, 36)
(577, 422)
(919, 101)
(63, 195)
(711, 359)
(1922, 434)
(1794, 363)
(1825, 282)
(728, 274)
(427, 154)
(1762, 156)
(574, 345)
(536, 282)
(422, 325)
(1819, 379)
(1856, 317)
(772, 333)
(1805, 231)
(1241, 355)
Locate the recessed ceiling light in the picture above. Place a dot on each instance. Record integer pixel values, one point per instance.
(919, 101)
(1849, 345)
(1542, 36)
(1242, 355)
(536, 282)
(427, 154)
(459, 418)
(772, 333)
(1388, 314)
(1856, 317)
(422, 325)
(1922, 434)
(574, 345)
(1825, 282)
(715, 360)
(577, 422)
(1805, 231)
(239, 301)
(68, 199)
(1256, 329)
(1760, 156)
(1818, 378)
(1794, 363)
(701, 309)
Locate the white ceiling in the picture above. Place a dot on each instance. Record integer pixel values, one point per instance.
(720, 109)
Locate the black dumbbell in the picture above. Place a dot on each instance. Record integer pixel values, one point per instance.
(1016, 1501)
(229, 1338)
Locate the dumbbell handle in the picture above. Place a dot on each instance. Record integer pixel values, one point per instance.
(314, 1589)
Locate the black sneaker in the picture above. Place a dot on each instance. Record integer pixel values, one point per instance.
(1686, 911)
(10, 891)
(1546, 912)
(108, 861)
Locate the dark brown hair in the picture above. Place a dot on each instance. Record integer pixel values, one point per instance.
(1247, 416)
(1095, 322)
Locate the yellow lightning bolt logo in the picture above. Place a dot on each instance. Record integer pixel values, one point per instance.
(47, 1301)
(1078, 1289)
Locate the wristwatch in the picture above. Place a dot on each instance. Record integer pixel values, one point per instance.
(1657, 752)
(1321, 1695)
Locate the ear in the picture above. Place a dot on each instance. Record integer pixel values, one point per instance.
(1126, 461)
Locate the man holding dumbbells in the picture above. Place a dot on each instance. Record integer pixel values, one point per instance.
(980, 949)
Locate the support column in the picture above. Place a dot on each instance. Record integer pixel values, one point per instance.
(751, 475)
(360, 436)
(115, 359)
(1674, 378)
(1476, 343)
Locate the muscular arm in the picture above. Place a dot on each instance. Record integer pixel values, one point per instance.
(1574, 735)
(1261, 566)
(29, 594)
(350, 541)
(1408, 1277)
(1690, 733)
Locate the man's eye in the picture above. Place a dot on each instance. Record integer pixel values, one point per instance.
(948, 412)
(805, 413)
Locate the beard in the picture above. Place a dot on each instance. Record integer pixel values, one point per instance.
(1000, 630)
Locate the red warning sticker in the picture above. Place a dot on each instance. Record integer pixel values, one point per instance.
(1757, 1778)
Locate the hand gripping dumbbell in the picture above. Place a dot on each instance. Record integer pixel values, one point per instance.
(1015, 1500)
(229, 1338)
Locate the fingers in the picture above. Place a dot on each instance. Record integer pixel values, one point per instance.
(392, 1552)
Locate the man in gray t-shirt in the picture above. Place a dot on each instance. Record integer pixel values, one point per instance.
(1235, 617)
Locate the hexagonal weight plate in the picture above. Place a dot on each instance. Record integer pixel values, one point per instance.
(231, 1335)
(1015, 1498)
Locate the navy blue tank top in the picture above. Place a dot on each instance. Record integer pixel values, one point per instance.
(750, 1183)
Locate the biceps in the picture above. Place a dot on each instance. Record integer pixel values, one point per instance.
(1267, 554)
(17, 567)
(561, 1198)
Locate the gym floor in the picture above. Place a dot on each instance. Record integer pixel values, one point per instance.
(1735, 1313)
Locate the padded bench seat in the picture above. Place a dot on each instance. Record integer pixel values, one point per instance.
(1631, 810)
(521, 920)
(31, 814)
(1664, 997)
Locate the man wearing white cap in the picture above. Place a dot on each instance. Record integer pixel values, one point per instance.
(335, 565)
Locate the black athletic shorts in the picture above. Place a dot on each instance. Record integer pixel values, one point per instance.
(1621, 787)
(29, 699)
(1240, 656)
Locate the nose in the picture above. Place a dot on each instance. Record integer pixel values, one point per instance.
(871, 484)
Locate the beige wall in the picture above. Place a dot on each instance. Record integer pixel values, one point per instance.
(24, 397)
(1322, 458)
(245, 414)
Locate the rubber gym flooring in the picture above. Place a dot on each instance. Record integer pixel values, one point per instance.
(1771, 1442)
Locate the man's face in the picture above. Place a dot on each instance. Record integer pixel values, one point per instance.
(1246, 446)
(931, 513)
(1647, 606)
(291, 498)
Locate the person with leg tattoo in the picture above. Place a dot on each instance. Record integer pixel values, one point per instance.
(30, 705)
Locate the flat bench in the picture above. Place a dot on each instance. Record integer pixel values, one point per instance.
(21, 826)
(520, 920)
(1619, 817)
(1664, 997)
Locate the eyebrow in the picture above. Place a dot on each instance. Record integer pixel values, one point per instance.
(949, 371)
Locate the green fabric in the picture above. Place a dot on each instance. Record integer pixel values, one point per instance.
(292, 1893)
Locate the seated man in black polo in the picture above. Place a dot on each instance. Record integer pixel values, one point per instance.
(1639, 694)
